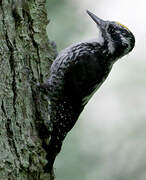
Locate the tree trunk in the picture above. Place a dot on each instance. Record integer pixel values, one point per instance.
(25, 58)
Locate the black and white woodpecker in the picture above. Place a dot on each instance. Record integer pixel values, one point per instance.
(77, 72)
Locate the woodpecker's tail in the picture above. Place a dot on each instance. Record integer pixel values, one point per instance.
(52, 150)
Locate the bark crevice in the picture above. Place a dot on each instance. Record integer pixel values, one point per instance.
(11, 61)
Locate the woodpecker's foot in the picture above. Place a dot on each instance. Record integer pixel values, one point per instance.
(43, 87)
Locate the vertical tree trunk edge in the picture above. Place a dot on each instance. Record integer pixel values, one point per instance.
(25, 58)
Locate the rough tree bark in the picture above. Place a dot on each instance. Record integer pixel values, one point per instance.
(25, 58)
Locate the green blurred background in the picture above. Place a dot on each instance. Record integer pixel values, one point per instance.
(109, 140)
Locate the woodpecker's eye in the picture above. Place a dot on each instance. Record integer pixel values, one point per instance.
(111, 29)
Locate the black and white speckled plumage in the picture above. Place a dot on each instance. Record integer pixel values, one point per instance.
(77, 72)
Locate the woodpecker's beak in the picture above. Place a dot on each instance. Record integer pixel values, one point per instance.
(96, 19)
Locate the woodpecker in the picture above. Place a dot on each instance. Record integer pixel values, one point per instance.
(77, 72)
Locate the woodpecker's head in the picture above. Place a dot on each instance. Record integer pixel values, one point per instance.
(119, 39)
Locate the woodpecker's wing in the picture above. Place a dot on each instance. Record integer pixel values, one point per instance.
(79, 69)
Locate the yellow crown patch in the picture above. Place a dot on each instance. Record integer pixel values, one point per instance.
(122, 25)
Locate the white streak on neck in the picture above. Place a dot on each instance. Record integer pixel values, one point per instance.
(111, 47)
